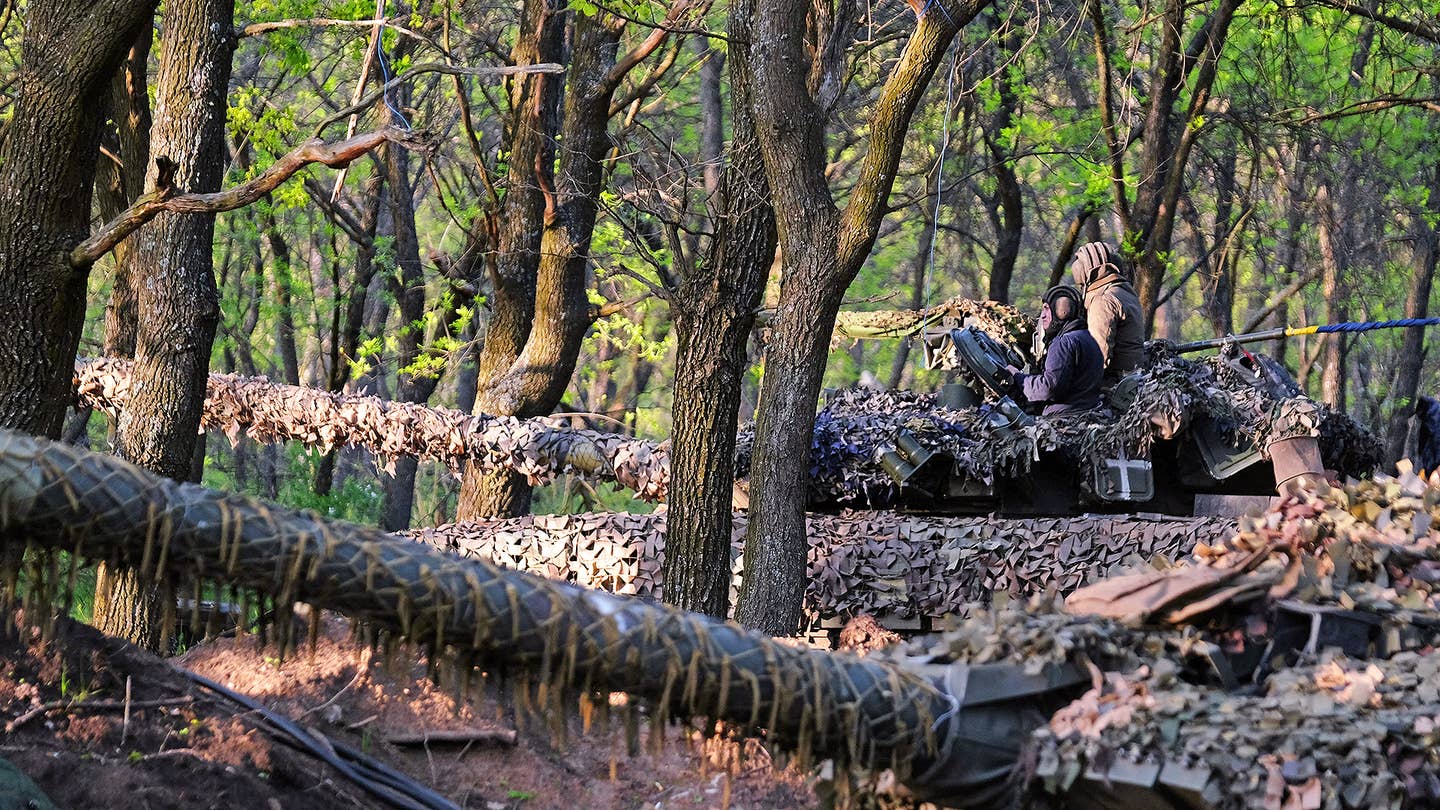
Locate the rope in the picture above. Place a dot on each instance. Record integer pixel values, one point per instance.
(1364, 326)
(385, 82)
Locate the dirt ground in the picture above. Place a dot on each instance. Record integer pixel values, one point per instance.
(186, 747)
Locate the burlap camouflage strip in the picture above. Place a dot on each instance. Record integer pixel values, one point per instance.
(559, 642)
(538, 448)
(898, 568)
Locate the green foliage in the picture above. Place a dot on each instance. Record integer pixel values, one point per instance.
(356, 499)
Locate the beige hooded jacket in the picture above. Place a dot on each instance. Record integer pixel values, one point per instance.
(1112, 310)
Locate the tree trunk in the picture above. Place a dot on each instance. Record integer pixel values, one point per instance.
(1008, 211)
(918, 264)
(535, 381)
(1412, 348)
(823, 249)
(712, 115)
(1332, 379)
(714, 312)
(47, 170)
(1168, 132)
(530, 139)
(282, 273)
(345, 341)
(407, 285)
(119, 185)
(178, 304)
(775, 542)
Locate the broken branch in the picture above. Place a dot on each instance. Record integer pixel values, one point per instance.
(165, 197)
(435, 67)
(501, 736)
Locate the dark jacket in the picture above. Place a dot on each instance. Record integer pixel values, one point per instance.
(1070, 381)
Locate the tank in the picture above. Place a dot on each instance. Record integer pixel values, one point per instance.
(1233, 423)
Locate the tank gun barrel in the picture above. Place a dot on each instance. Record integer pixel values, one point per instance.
(1282, 332)
(566, 639)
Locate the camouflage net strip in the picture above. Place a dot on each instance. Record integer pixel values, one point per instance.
(897, 568)
(1333, 732)
(538, 448)
(566, 640)
(1001, 321)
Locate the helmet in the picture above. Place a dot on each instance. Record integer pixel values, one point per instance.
(1064, 302)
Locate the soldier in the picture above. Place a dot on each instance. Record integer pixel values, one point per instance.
(1112, 310)
(1072, 366)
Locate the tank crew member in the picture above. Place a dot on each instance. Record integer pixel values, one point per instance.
(1072, 366)
(1112, 310)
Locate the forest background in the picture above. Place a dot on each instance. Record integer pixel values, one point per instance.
(1262, 163)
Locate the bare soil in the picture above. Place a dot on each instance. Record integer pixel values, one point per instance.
(200, 751)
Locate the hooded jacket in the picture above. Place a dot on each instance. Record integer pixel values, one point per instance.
(1112, 310)
(1070, 381)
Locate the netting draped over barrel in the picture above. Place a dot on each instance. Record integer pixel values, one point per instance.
(895, 567)
(566, 639)
(537, 448)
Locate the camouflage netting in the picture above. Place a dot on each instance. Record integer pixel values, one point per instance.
(894, 567)
(1369, 545)
(851, 431)
(1340, 733)
(1001, 321)
(1335, 733)
(559, 640)
(537, 448)
(858, 424)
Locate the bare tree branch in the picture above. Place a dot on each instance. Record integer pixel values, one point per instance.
(165, 197)
(256, 29)
(1430, 103)
(436, 67)
(1419, 29)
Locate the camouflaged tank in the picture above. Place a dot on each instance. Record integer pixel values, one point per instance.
(1233, 423)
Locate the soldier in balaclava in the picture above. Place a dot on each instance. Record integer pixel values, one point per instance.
(1112, 310)
(1072, 368)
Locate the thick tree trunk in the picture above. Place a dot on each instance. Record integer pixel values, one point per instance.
(774, 583)
(823, 249)
(1412, 349)
(47, 170)
(714, 312)
(530, 139)
(178, 304)
(534, 382)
